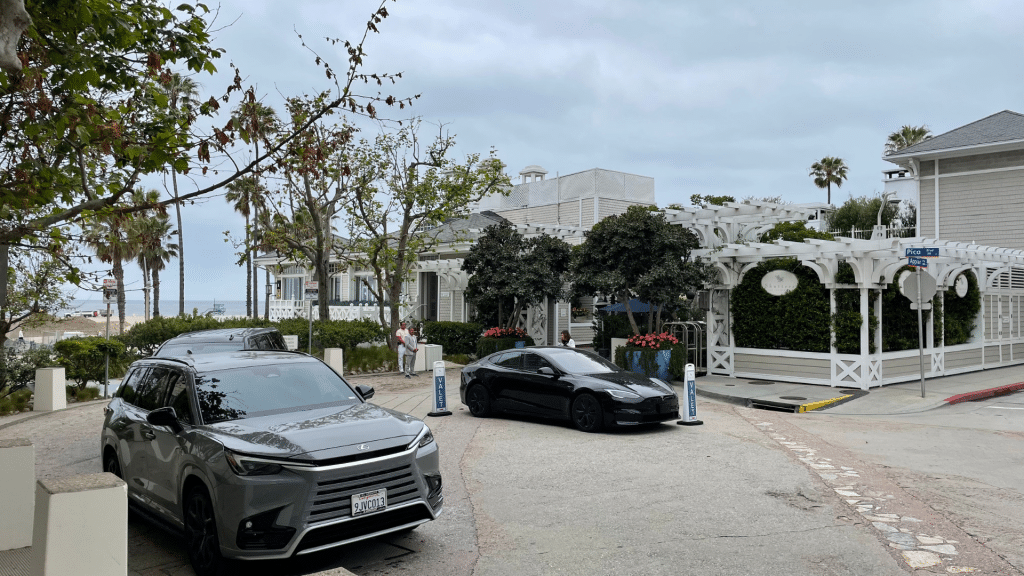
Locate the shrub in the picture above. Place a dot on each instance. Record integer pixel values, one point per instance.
(611, 326)
(799, 320)
(19, 369)
(15, 402)
(368, 359)
(491, 345)
(454, 337)
(86, 394)
(344, 333)
(462, 359)
(83, 358)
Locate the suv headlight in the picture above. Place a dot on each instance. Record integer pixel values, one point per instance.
(622, 394)
(426, 437)
(251, 466)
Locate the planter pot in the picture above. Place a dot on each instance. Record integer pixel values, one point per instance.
(661, 360)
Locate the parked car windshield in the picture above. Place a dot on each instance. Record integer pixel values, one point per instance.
(574, 362)
(261, 390)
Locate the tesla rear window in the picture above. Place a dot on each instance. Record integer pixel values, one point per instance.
(261, 390)
(574, 362)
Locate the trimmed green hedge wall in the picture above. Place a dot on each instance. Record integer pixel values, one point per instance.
(487, 346)
(454, 337)
(795, 321)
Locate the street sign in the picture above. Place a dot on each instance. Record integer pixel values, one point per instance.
(109, 291)
(923, 252)
(311, 290)
(919, 262)
(928, 287)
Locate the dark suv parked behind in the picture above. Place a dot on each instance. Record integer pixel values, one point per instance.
(265, 454)
(222, 340)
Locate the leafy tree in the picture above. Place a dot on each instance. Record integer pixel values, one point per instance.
(148, 234)
(705, 200)
(638, 253)
(400, 190)
(793, 232)
(85, 359)
(860, 214)
(509, 269)
(905, 137)
(109, 237)
(34, 291)
(828, 171)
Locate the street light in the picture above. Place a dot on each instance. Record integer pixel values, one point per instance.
(885, 200)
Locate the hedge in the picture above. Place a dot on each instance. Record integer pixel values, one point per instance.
(491, 345)
(454, 337)
(84, 359)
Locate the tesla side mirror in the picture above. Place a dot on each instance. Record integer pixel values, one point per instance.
(165, 417)
(547, 371)
(365, 391)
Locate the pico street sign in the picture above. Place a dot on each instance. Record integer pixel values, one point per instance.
(919, 262)
(922, 253)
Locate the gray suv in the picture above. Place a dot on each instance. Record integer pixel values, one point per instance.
(266, 454)
(222, 340)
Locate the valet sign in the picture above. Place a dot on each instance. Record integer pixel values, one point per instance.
(779, 282)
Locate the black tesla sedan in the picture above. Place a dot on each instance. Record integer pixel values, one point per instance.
(565, 383)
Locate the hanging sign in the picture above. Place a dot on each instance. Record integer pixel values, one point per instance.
(779, 282)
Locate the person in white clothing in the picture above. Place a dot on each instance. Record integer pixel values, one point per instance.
(566, 340)
(400, 335)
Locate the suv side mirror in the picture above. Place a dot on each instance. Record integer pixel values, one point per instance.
(547, 371)
(165, 417)
(365, 391)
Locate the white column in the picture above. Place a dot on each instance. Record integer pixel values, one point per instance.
(17, 479)
(936, 199)
(335, 358)
(51, 392)
(865, 335)
(81, 526)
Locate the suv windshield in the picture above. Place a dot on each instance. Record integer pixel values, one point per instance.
(576, 362)
(184, 348)
(270, 389)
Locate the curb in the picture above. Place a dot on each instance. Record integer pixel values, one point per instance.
(821, 403)
(35, 415)
(987, 393)
(721, 397)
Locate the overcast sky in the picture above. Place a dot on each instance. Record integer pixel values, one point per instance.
(734, 98)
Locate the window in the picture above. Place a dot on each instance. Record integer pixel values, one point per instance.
(512, 360)
(292, 288)
(152, 393)
(180, 402)
(533, 362)
(130, 385)
(360, 290)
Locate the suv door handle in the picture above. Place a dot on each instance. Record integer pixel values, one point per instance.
(148, 434)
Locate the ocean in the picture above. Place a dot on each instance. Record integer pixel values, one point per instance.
(167, 307)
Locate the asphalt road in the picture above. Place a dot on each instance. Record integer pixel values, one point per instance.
(749, 492)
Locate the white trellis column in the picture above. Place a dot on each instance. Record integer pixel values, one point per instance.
(878, 336)
(865, 334)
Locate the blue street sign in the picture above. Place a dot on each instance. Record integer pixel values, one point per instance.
(919, 262)
(923, 252)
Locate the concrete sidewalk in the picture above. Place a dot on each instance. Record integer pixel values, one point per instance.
(902, 398)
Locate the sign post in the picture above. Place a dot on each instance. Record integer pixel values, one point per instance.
(689, 407)
(440, 395)
(109, 296)
(311, 295)
(920, 288)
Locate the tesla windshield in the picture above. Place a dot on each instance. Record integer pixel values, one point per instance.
(270, 389)
(574, 362)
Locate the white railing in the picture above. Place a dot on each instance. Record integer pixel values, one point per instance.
(282, 309)
(891, 231)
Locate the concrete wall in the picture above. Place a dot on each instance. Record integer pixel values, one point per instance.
(17, 484)
(771, 366)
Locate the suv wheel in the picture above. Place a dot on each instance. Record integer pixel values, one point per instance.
(201, 534)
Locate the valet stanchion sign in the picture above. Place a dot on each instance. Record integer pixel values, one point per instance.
(689, 407)
(440, 394)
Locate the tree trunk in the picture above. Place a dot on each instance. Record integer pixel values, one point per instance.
(658, 320)
(181, 249)
(156, 292)
(145, 292)
(118, 272)
(629, 312)
(255, 271)
(248, 273)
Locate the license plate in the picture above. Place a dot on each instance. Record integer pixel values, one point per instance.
(367, 502)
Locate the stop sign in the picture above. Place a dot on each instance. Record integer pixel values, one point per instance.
(928, 287)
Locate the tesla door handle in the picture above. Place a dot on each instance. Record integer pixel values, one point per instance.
(107, 410)
(148, 435)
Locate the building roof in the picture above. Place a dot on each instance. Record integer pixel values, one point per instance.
(1000, 128)
(454, 229)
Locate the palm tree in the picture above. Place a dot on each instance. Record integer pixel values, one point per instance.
(258, 121)
(245, 194)
(182, 93)
(829, 171)
(906, 136)
(109, 237)
(153, 254)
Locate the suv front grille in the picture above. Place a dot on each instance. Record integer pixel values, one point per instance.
(332, 498)
(362, 525)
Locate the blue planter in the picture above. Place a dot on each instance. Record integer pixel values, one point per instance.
(661, 359)
(521, 344)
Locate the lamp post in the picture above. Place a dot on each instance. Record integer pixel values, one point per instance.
(270, 290)
(879, 231)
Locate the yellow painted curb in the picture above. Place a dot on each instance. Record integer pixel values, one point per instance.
(815, 405)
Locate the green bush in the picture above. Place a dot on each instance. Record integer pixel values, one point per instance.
(491, 345)
(454, 337)
(611, 326)
(344, 333)
(15, 402)
(462, 359)
(368, 359)
(86, 394)
(961, 314)
(83, 358)
(799, 320)
(19, 368)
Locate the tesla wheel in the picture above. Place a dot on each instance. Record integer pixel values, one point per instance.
(201, 534)
(586, 413)
(112, 464)
(479, 401)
